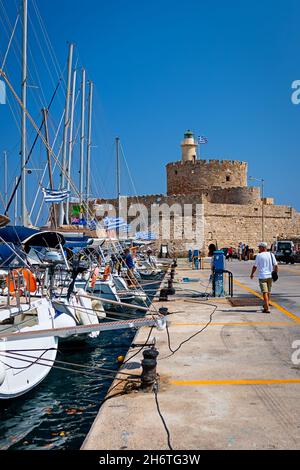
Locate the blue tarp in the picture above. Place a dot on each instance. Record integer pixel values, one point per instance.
(16, 234)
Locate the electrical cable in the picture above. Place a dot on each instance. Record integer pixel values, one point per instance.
(173, 351)
(155, 391)
(141, 348)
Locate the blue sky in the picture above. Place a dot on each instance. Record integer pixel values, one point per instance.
(222, 68)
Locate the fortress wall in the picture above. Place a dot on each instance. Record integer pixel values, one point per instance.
(239, 195)
(229, 224)
(224, 224)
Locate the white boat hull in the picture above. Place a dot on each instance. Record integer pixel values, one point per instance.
(24, 363)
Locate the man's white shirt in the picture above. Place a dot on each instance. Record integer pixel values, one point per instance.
(264, 263)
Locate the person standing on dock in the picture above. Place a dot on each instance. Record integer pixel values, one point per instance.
(151, 259)
(240, 251)
(130, 267)
(266, 264)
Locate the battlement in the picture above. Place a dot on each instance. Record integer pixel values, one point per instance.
(210, 162)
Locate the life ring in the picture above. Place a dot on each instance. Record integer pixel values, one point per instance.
(94, 277)
(106, 273)
(24, 274)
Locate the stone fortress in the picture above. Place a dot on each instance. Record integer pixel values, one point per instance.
(232, 211)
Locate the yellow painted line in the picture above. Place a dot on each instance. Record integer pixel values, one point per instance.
(284, 269)
(274, 304)
(185, 383)
(279, 323)
(206, 302)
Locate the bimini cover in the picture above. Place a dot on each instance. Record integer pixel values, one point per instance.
(11, 256)
(43, 239)
(4, 220)
(15, 234)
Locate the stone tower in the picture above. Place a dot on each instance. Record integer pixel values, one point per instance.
(192, 176)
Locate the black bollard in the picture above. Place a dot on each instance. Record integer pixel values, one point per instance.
(149, 374)
(163, 295)
(163, 310)
(170, 290)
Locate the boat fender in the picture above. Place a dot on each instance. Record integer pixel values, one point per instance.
(94, 277)
(97, 306)
(87, 317)
(106, 273)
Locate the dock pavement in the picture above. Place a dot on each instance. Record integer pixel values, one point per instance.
(233, 381)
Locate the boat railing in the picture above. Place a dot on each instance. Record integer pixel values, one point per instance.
(17, 289)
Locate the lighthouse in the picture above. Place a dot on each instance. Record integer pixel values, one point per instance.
(189, 147)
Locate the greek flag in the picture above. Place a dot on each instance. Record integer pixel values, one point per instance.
(125, 228)
(145, 236)
(202, 139)
(92, 224)
(114, 223)
(55, 196)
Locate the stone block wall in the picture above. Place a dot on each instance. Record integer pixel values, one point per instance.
(240, 195)
(223, 224)
(227, 224)
(194, 177)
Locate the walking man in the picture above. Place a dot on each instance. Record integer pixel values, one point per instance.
(265, 263)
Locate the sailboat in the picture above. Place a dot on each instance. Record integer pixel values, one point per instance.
(24, 363)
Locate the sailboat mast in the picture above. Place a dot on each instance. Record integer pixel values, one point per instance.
(5, 177)
(24, 220)
(16, 204)
(89, 144)
(82, 134)
(118, 170)
(71, 141)
(65, 134)
(50, 172)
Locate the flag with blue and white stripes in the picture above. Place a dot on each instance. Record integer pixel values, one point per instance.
(145, 236)
(125, 228)
(202, 139)
(114, 223)
(55, 196)
(92, 224)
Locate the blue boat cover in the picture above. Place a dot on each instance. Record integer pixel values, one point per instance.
(15, 234)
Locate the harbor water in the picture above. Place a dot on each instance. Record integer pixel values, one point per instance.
(60, 411)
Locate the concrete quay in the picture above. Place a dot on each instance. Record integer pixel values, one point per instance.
(232, 386)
